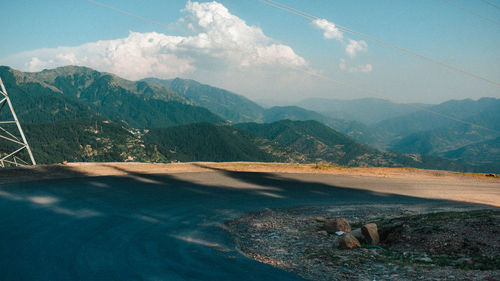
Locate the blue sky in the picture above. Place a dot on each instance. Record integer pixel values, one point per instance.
(256, 50)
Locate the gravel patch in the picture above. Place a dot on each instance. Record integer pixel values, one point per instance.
(294, 240)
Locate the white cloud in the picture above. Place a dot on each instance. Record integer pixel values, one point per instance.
(222, 41)
(330, 31)
(355, 46)
(352, 69)
(361, 68)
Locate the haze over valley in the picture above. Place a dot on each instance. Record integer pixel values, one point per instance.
(78, 114)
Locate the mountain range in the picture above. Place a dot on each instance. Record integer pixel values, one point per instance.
(79, 114)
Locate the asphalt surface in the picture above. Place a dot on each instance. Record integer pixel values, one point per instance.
(156, 227)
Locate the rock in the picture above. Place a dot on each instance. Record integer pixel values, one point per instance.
(334, 225)
(348, 242)
(463, 261)
(425, 259)
(322, 233)
(357, 233)
(370, 233)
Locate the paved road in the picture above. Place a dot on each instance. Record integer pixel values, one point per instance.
(155, 227)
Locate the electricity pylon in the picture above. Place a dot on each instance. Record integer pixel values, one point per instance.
(9, 155)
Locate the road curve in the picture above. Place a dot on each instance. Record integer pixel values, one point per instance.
(159, 227)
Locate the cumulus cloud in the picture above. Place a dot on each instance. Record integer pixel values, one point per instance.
(355, 46)
(330, 31)
(136, 56)
(221, 40)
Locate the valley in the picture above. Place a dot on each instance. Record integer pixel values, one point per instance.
(78, 114)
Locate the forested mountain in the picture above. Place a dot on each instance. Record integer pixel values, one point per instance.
(79, 114)
(209, 142)
(482, 153)
(36, 101)
(406, 129)
(323, 144)
(239, 109)
(353, 129)
(428, 133)
(82, 141)
(484, 112)
(229, 105)
(81, 82)
(120, 100)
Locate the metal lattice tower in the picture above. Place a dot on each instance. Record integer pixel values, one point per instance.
(9, 128)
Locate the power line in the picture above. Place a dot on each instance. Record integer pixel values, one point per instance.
(492, 4)
(344, 84)
(373, 92)
(470, 11)
(143, 18)
(377, 94)
(131, 14)
(383, 43)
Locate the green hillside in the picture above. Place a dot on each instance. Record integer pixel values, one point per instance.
(79, 114)
(229, 105)
(87, 141)
(439, 137)
(482, 153)
(484, 112)
(38, 102)
(208, 142)
(323, 144)
(238, 109)
(122, 100)
(353, 129)
(74, 81)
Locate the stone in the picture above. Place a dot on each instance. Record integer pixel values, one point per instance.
(348, 242)
(322, 233)
(357, 233)
(370, 233)
(425, 259)
(334, 225)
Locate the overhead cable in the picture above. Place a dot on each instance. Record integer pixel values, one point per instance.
(470, 11)
(377, 94)
(383, 43)
(131, 14)
(344, 84)
(492, 4)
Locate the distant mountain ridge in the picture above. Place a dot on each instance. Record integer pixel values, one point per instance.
(426, 133)
(323, 144)
(164, 120)
(366, 110)
(238, 109)
(229, 105)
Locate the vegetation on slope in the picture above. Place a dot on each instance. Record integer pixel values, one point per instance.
(208, 142)
(323, 144)
(82, 141)
(224, 103)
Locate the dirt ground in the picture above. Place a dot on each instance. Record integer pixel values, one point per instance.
(293, 238)
(418, 242)
(472, 188)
